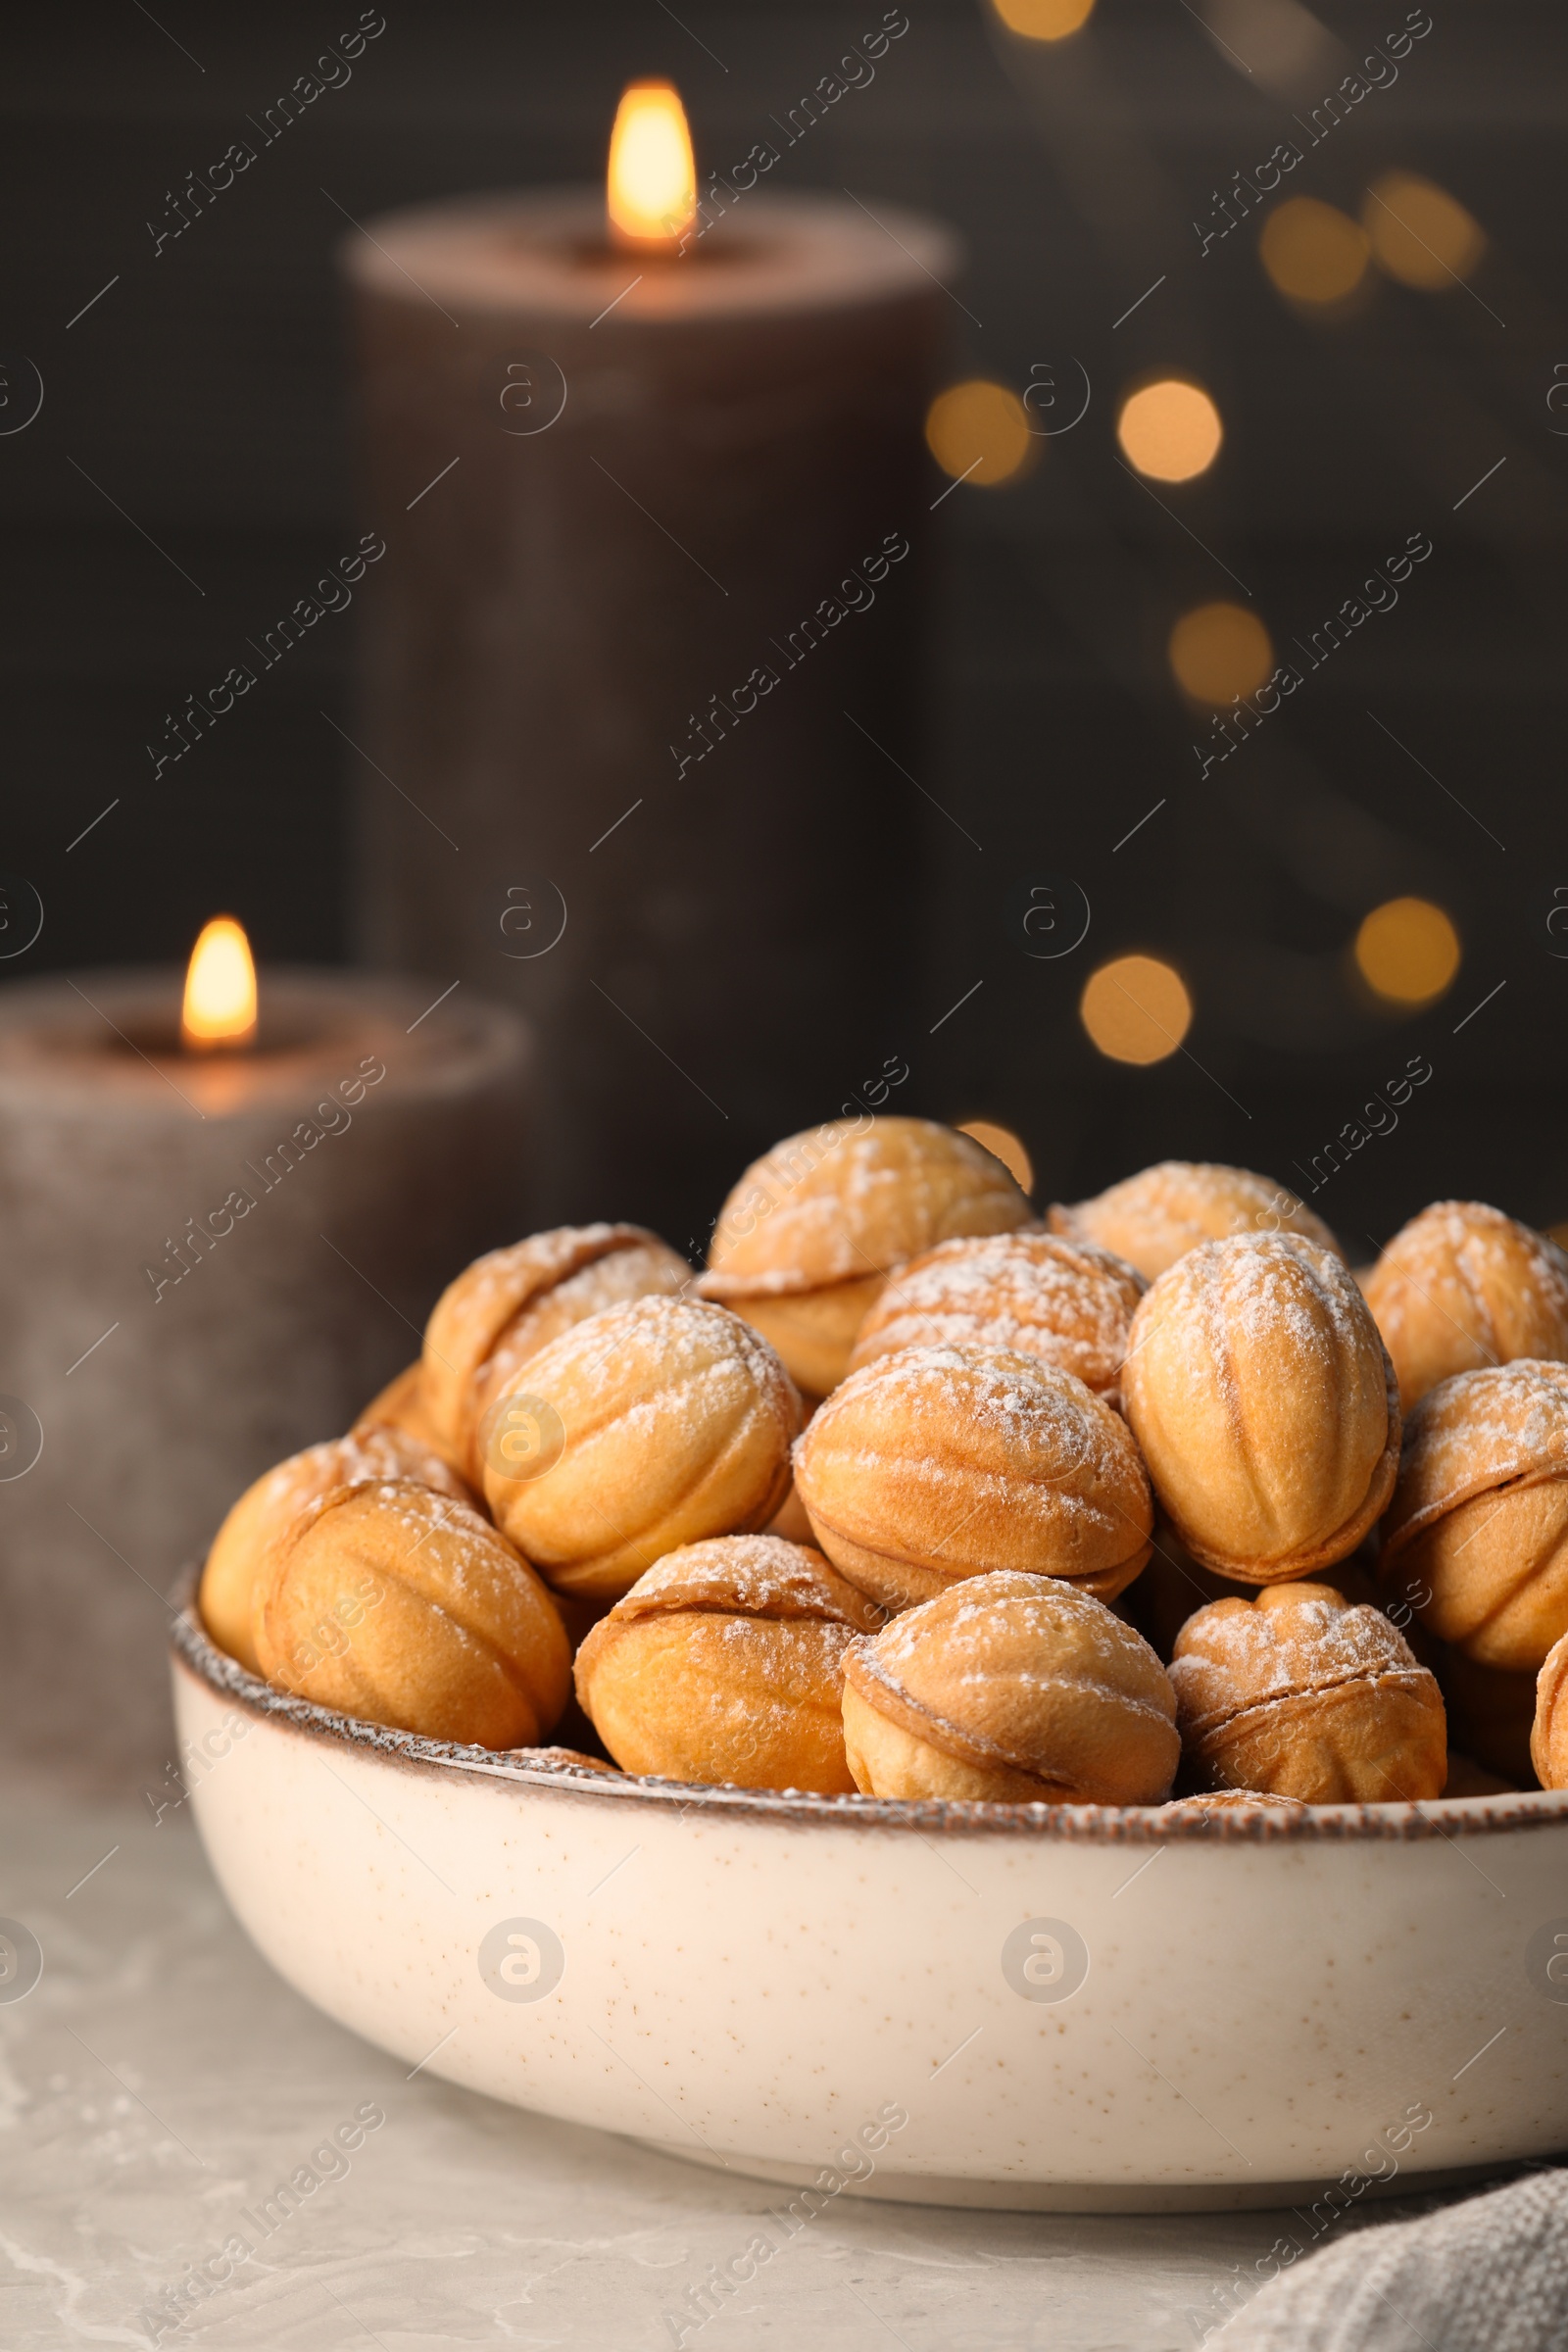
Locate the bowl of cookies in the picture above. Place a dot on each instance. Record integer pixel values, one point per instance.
(1060, 1712)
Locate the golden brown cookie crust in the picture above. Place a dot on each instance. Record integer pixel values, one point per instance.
(511, 1302)
(1265, 1406)
(941, 1463)
(1029, 1292)
(1463, 1287)
(1548, 1736)
(724, 1664)
(1476, 1540)
(235, 1566)
(1300, 1694)
(1154, 1218)
(403, 1607)
(814, 1332)
(1029, 1690)
(853, 1199)
(1475, 1434)
(675, 1420)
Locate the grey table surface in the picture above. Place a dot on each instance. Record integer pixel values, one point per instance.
(160, 2081)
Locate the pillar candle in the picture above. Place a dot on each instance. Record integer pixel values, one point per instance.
(644, 663)
(209, 1261)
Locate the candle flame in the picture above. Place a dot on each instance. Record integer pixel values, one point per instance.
(652, 182)
(219, 1007)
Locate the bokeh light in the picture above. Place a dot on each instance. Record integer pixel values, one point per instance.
(1170, 430)
(1313, 252)
(1136, 1009)
(979, 432)
(1003, 1144)
(1407, 950)
(1221, 651)
(1420, 234)
(1044, 20)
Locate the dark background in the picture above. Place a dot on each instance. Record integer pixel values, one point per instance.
(205, 394)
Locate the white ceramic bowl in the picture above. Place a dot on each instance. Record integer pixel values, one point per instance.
(1071, 2007)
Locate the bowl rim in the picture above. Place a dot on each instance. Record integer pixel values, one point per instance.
(570, 1774)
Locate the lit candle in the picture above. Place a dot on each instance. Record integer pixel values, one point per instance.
(219, 1007)
(648, 461)
(650, 179)
(225, 1222)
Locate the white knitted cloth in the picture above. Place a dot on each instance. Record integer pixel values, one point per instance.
(1487, 2276)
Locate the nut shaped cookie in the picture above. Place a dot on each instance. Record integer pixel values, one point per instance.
(1299, 1693)
(1012, 1687)
(724, 1663)
(808, 1235)
(944, 1463)
(1261, 1393)
(508, 1305)
(1034, 1293)
(1154, 1218)
(1549, 1737)
(234, 1565)
(659, 1423)
(1461, 1286)
(401, 1606)
(1476, 1540)
(1174, 1586)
